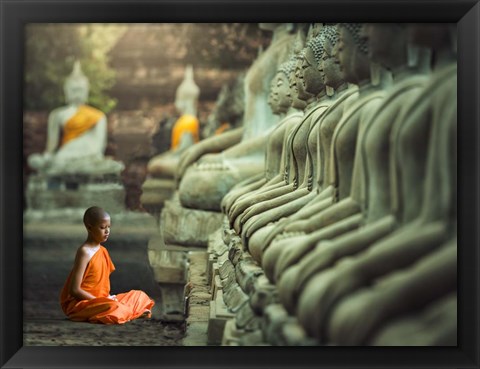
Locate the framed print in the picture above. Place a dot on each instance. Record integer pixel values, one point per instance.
(154, 112)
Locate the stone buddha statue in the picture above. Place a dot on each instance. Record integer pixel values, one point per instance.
(76, 135)
(185, 131)
(335, 215)
(205, 183)
(160, 183)
(373, 144)
(423, 203)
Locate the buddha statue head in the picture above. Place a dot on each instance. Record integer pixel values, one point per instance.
(186, 98)
(353, 53)
(330, 65)
(76, 86)
(280, 98)
(309, 58)
(297, 101)
(387, 43)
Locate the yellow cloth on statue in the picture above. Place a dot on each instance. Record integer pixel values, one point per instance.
(222, 128)
(84, 119)
(186, 123)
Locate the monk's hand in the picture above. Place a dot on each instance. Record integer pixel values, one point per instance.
(113, 297)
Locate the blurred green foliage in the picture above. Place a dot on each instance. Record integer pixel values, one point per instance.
(50, 52)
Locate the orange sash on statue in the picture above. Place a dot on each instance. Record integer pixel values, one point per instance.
(83, 120)
(186, 123)
(96, 280)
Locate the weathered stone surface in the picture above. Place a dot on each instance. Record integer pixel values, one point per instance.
(246, 272)
(246, 319)
(234, 298)
(155, 192)
(187, 226)
(231, 335)
(219, 315)
(263, 294)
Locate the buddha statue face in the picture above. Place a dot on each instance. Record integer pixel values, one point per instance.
(187, 93)
(346, 51)
(283, 93)
(279, 98)
(381, 37)
(353, 54)
(303, 94)
(330, 65)
(297, 102)
(312, 78)
(76, 91)
(76, 86)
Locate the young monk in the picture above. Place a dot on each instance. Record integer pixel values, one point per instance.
(86, 295)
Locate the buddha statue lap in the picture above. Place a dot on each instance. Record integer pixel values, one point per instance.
(343, 215)
(425, 225)
(76, 136)
(374, 148)
(206, 182)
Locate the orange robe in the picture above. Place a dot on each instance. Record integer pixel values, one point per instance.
(186, 123)
(96, 280)
(82, 121)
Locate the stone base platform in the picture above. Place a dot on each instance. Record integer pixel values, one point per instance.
(187, 227)
(52, 193)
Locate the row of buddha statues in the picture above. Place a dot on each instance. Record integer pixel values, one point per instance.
(335, 202)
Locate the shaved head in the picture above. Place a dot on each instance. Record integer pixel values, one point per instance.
(93, 215)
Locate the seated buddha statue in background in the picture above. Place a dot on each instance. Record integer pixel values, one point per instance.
(204, 183)
(76, 135)
(185, 131)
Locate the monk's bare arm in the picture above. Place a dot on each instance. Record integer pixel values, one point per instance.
(81, 260)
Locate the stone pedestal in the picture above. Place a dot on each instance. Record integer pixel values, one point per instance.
(155, 191)
(52, 193)
(187, 227)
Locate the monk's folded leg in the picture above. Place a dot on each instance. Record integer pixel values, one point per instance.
(137, 301)
(100, 310)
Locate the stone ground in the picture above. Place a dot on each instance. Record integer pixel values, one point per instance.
(49, 250)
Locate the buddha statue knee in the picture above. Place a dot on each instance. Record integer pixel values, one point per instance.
(435, 325)
(373, 149)
(218, 173)
(83, 133)
(358, 316)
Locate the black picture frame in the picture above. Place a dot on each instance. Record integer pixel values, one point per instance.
(16, 14)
